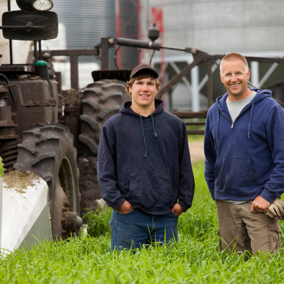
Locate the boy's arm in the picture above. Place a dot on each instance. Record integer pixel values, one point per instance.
(186, 178)
(106, 168)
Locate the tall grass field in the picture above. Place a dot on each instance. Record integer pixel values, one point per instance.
(194, 259)
(1, 168)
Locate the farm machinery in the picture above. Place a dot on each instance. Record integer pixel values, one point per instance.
(42, 127)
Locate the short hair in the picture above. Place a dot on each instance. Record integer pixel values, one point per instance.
(234, 56)
(141, 76)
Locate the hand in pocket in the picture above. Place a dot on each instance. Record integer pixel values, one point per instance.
(125, 208)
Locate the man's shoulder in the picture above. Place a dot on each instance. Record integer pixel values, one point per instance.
(269, 105)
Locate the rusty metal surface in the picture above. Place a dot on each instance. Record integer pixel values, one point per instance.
(30, 92)
(17, 68)
(72, 122)
(74, 72)
(195, 123)
(7, 125)
(58, 78)
(198, 57)
(46, 103)
(178, 77)
(139, 43)
(104, 57)
(72, 112)
(8, 137)
(195, 131)
(69, 221)
(73, 54)
(190, 114)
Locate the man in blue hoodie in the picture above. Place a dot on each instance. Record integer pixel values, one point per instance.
(144, 168)
(244, 165)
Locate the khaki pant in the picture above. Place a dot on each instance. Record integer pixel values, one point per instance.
(241, 230)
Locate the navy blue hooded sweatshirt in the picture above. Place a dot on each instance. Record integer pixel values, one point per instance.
(146, 161)
(245, 159)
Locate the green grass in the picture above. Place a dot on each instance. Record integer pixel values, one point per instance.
(194, 259)
(195, 137)
(1, 168)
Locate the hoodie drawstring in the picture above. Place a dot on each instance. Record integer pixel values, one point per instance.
(155, 133)
(143, 137)
(217, 131)
(249, 125)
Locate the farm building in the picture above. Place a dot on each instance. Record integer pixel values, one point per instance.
(253, 28)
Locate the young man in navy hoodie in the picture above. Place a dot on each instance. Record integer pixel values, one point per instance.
(144, 167)
(244, 165)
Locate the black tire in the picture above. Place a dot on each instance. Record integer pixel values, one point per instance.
(48, 151)
(101, 100)
(89, 187)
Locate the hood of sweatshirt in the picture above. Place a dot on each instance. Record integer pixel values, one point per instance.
(126, 109)
(260, 95)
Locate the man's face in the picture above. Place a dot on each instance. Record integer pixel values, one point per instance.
(234, 77)
(143, 92)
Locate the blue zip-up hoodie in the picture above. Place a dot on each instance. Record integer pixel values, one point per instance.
(245, 159)
(146, 161)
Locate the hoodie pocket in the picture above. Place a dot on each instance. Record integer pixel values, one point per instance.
(151, 189)
(234, 175)
(241, 178)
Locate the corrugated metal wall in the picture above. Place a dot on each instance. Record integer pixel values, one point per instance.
(129, 29)
(86, 22)
(223, 26)
(250, 27)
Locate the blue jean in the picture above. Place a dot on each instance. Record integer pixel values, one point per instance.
(136, 228)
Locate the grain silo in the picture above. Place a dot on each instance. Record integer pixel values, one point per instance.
(83, 23)
(219, 27)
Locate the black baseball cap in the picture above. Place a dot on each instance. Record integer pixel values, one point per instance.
(144, 67)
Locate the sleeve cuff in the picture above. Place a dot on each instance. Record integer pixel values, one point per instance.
(267, 195)
(183, 205)
(118, 203)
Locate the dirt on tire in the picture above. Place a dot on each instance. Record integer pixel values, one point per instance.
(47, 150)
(89, 187)
(101, 100)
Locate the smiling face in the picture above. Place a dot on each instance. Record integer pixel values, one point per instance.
(143, 93)
(234, 76)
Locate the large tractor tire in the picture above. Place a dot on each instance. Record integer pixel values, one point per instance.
(48, 151)
(101, 100)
